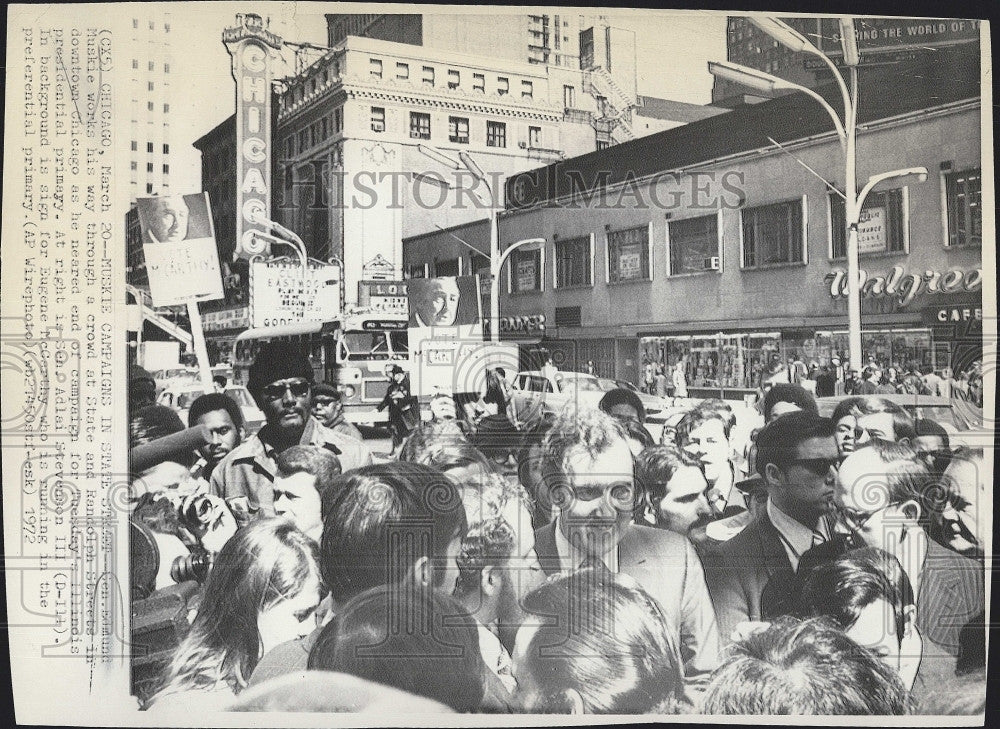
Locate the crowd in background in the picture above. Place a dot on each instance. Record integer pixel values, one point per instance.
(499, 560)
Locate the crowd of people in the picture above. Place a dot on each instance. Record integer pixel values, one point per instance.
(563, 563)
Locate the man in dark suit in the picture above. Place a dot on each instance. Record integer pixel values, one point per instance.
(751, 576)
(887, 497)
(588, 473)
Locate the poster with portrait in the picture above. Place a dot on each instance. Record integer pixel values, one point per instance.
(178, 245)
(450, 306)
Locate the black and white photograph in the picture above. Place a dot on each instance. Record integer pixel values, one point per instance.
(380, 363)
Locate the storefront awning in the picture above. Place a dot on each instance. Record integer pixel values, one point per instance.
(285, 330)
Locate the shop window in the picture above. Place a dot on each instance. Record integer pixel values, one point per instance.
(881, 227)
(375, 68)
(403, 71)
(773, 235)
(458, 130)
(525, 271)
(628, 254)
(496, 134)
(693, 245)
(420, 125)
(573, 258)
(479, 83)
(964, 206)
(428, 77)
(449, 267)
(378, 119)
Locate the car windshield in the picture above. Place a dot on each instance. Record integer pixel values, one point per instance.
(583, 384)
(185, 399)
(240, 396)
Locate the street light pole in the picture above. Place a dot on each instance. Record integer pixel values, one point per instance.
(846, 129)
(496, 264)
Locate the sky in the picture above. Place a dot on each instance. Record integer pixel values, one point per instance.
(672, 49)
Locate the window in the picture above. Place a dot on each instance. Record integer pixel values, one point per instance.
(135, 22)
(527, 90)
(149, 167)
(166, 108)
(166, 68)
(338, 119)
(135, 166)
(692, 244)
(534, 136)
(965, 210)
(149, 86)
(166, 149)
(503, 86)
(880, 227)
(418, 271)
(402, 71)
(135, 63)
(496, 134)
(135, 146)
(420, 125)
(324, 127)
(772, 234)
(375, 68)
(166, 27)
(602, 144)
(526, 271)
(573, 262)
(149, 188)
(152, 65)
(166, 169)
(149, 106)
(303, 139)
(454, 79)
(458, 129)
(290, 146)
(378, 119)
(428, 78)
(628, 254)
(149, 147)
(479, 83)
(446, 268)
(569, 97)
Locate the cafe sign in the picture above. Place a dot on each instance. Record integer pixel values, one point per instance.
(904, 287)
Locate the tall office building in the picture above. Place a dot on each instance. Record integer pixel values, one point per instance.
(149, 92)
(549, 39)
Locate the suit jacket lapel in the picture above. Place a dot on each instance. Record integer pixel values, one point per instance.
(545, 548)
(775, 557)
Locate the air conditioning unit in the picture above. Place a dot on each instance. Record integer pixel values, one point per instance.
(713, 264)
(522, 145)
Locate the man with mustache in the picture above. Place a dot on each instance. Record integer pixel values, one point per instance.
(222, 416)
(281, 382)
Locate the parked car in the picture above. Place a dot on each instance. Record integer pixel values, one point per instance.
(180, 397)
(534, 394)
(173, 376)
(963, 420)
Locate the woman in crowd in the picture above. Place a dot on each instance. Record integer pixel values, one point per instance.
(616, 656)
(263, 590)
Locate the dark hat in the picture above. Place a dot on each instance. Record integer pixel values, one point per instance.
(321, 388)
(396, 369)
(278, 361)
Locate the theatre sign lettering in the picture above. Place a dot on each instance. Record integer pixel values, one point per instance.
(904, 287)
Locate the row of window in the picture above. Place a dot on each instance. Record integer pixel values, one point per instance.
(150, 106)
(149, 167)
(149, 147)
(772, 235)
(152, 25)
(458, 128)
(317, 132)
(454, 78)
(152, 67)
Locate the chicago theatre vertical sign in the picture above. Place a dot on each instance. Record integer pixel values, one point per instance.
(253, 49)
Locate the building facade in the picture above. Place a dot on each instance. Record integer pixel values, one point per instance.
(714, 247)
(149, 94)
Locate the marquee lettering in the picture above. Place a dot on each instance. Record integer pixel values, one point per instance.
(905, 287)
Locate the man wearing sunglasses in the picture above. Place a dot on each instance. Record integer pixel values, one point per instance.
(887, 498)
(280, 381)
(588, 475)
(751, 575)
